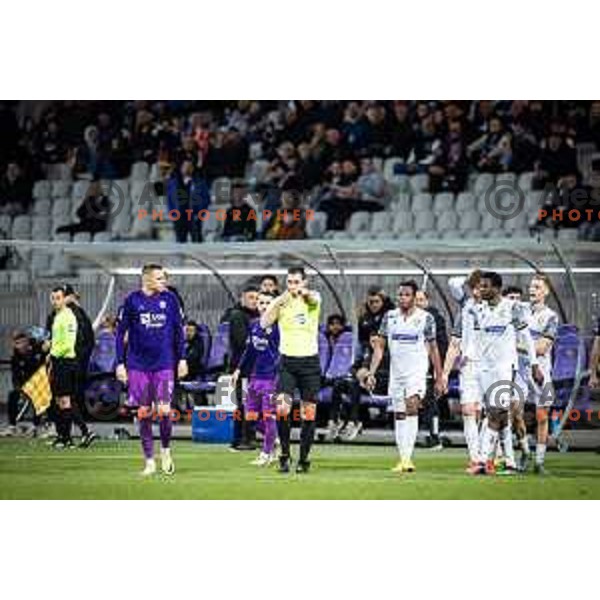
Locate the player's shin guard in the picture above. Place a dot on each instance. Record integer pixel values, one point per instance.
(400, 431)
(146, 437)
(471, 437)
(269, 432)
(412, 429)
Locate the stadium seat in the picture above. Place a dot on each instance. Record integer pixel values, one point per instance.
(19, 278)
(525, 181)
(466, 202)
(402, 203)
(390, 166)
(61, 237)
(61, 207)
(498, 234)
(359, 222)
(42, 189)
(79, 191)
(315, 228)
(419, 183)
(102, 236)
(403, 221)
(489, 223)
(61, 189)
(506, 179)
(40, 262)
(141, 229)
(120, 224)
(60, 264)
(221, 191)
(42, 207)
(443, 202)
(140, 171)
(83, 237)
(341, 235)
(483, 182)
(447, 221)
(381, 223)
(469, 220)
(424, 222)
(21, 228)
(137, 191)
(5, 224)
(567, 235)
(256, 172)
(59, 171)
(422, 203)
(41, 228)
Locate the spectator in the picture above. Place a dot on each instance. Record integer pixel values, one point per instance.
(194, 351)
(25, 361)
(289, 222)
(492, 151)
(187, 191)
(370, 314)
(402, 135)
(556, 160)
(15, 191)
(52, 147)
(269, 285)
(93, 213)
(449, 170)
(240, 221)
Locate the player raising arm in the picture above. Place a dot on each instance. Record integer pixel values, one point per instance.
(409, 333)
(152, 319)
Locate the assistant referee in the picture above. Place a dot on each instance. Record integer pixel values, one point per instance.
(297, 312)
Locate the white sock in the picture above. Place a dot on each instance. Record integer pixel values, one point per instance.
(165, 451)
(540, 453)
(524, 443)
(490, 437)
(509, 452)
(400, 430)
(412, 429)
(471, 437)
(435, 425)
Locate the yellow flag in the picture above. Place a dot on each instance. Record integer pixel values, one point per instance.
(38, 390)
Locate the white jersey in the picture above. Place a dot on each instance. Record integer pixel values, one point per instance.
(406, 337)
(543, 323)
(467, 331)
(498, 326)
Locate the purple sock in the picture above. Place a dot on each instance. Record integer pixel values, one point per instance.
(146, 437)
(260, 426)
(270, 434)
(165, 431)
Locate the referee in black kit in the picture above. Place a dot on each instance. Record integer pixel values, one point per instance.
(84, 346)
(297, 313)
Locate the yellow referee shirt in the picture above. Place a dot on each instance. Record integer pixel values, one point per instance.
(299, 327)
(64, 334)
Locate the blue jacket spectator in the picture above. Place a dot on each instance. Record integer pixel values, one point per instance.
(186, 190)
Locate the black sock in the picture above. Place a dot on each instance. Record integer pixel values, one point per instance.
(67, 422)
(78, 420)
(284, 432)
(307, 435)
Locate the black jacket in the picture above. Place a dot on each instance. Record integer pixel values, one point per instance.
(194, 352)
(369, 322)
(23, 366)
(239, 319)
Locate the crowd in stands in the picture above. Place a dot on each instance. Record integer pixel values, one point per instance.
(322, 154)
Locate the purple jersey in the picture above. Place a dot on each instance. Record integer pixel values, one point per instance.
(154, 327)
(260, 359)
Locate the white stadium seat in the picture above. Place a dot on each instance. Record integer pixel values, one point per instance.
(21, 228)
(402, 202)
(424, 221)
(359, 221)
(42, 189)
(447, 221)
(140, 171)
(403, 221)
(422, 203)
(419, 183)
(315, 228)
(61, 189)
(381, 222)
(466, 202)
(469, 221)
(443, 202)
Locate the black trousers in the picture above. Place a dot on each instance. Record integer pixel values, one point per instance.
(353, 390)
(185, 228)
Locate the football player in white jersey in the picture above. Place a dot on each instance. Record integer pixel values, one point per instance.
(543, 324)
(501, 323)
(464, 343)
(522, 375)
(409, 333)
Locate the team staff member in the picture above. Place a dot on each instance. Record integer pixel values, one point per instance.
(63, 365)
(297, 311)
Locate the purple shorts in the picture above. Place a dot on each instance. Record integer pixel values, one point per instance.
(150, 387)
(260, 396)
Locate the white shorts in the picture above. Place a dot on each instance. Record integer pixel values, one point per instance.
(531, 393)
(496, 385)
(470, 388)
(401, 388)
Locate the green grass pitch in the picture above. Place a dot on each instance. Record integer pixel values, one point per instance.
(110, 470)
